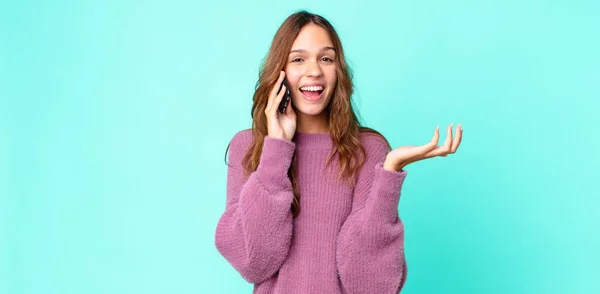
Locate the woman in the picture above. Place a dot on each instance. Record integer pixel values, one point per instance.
(290, 225)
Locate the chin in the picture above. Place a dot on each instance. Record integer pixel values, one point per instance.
(313, 110)
(309, 110)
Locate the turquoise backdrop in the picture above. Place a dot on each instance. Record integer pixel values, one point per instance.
(115, 117)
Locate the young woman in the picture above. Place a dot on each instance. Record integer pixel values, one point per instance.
(290, 224)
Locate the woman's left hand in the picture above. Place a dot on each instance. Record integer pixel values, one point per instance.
(404, 155)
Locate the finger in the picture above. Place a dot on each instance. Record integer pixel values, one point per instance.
(436, 138)
(438, 151)
(448, 142)
(424, 149)
(442, 150)
(447, 147)
(457, 139)
(274, 90)
(274, 109)
(279, 97)
(288, 110)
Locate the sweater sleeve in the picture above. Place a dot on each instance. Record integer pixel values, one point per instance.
(254, 233)
(370, 245)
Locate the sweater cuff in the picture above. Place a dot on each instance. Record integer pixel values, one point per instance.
(388, 191)
(275, 160)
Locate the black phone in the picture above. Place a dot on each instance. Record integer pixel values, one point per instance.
(286, 97)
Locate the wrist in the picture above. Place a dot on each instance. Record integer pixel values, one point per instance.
(276, 137)
(393, 166)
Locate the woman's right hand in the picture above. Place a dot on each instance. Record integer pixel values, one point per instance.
(282, 126)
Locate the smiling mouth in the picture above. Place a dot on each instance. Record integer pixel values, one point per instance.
(312, 95)
(312, 92)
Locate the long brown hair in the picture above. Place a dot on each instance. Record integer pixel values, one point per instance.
(344, 126)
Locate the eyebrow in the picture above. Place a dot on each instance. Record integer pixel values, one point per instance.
(322, 49)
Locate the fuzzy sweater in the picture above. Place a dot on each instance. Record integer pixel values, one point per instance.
(345, 240)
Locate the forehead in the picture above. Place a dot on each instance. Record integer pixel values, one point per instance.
(312, 38)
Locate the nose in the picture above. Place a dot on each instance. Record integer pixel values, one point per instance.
(314, 69)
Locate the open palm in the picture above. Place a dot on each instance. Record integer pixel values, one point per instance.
(404, 155)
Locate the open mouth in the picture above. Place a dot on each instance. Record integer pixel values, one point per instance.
(312, 92)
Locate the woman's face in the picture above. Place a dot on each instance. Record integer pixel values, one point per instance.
(311, 70)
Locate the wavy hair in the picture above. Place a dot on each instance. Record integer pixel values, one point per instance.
(344, 125)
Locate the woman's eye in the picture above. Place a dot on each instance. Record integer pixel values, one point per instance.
(327, 59)
(297, 59)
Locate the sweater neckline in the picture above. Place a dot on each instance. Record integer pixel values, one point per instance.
(313, 140)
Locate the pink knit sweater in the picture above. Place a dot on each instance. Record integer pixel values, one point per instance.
(345, 240)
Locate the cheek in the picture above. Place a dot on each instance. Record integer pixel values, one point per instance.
(292, 77)
(331, 76)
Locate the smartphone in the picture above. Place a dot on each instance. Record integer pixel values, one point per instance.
(286, 97)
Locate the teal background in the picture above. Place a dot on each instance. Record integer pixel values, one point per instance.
(115, 117)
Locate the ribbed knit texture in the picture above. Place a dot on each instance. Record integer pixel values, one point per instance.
(345, 240)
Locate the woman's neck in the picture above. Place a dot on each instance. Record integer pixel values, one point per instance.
(312, 124)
